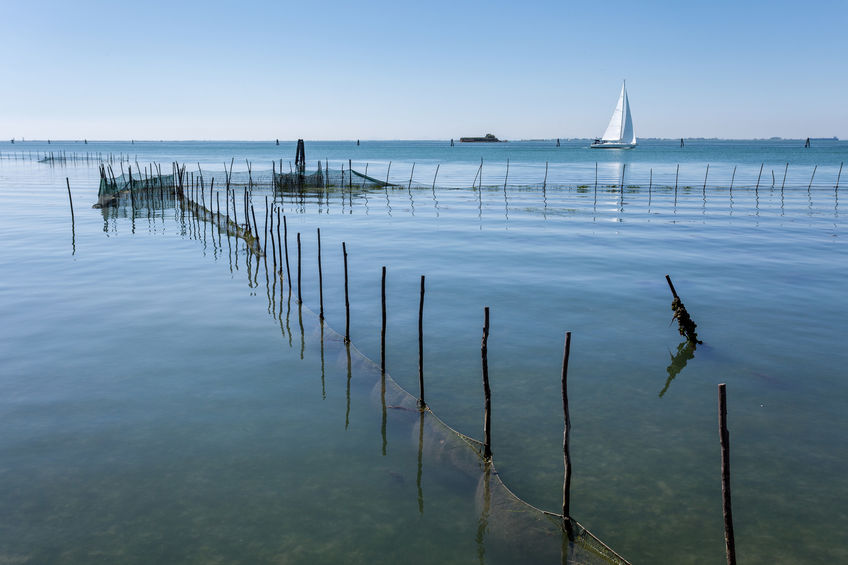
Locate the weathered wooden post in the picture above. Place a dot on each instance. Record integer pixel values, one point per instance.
(487, 393)
(566, 484)
(70, 199)
(383, 326)
(299, 297)
(347, 299)
(320, 281)
(421, 403)
(724, 440)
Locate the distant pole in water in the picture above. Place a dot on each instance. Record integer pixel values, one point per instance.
(278, 142)
(557, 142)
(681, 142)
(487, 393)
(357, 143)
(286, 248)
(320, 281)
(566, 483)
(347, 299)
(812, 177)
(506, 176)
(786, 170)
(676, 175)
(838, 176)
(758, 176)
(71, 200)
(705, 177)
(724, 440)
(421, 404)
(596, 176)
(383, 326)
(299, 298)
(451, 142)
(732, 177)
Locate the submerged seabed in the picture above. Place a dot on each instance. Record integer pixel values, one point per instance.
(173, 410)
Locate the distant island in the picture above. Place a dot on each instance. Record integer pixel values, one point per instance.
(488, 138)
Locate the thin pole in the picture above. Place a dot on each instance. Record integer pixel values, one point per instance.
(705, 177)
(545, 182)
(724, 440)
(758, 176)
(487, 393)
(421, 403)
(68, 182)
(733, 176)
(596, 176)
(286, 247)
(347, 299)
(299, 298)
(838, 176)
(676, 175)
(566, 483)
(437, 174)
(812, 177)
(383, 326)
(785, 170)
(320, 280)
(506, 176)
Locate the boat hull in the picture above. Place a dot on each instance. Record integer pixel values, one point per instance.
(612, 145)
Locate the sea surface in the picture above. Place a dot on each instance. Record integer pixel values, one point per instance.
(164, 397)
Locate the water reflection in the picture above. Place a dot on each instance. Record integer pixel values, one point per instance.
(685, 352)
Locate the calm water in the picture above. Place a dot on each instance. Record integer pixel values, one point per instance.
(160, 402)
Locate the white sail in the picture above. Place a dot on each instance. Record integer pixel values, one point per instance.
(616, 123)
(628, 135)
(619, 133)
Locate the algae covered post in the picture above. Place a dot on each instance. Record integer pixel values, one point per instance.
(487, 393)
(724, 440)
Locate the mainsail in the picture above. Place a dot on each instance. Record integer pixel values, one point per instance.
(620, 128)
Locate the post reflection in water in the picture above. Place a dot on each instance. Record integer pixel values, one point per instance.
(421, 414)
(685, 352)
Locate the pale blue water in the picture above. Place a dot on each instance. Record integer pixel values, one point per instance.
(154, 409)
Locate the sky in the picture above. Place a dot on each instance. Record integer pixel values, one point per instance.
(420, 70)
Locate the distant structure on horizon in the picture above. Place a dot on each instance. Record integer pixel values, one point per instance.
(488, 138)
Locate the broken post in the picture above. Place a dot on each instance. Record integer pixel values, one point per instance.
(686, 324)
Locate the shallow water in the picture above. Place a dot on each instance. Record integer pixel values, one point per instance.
(154, 406)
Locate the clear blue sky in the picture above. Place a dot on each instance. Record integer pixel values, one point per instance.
(423, 70)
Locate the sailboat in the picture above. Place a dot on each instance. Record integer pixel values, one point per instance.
(619, 133)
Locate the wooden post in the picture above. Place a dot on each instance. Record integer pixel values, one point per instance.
(506, 176)
(299, 297)
(812, 177)
(786, 170)
(68, 182)
(732, 177)
(255, 226)
(650, 180)
(320, 281)
(286, 247)
(388, 170)
(347, 299)
(487, 393)
(676, 175)
(724, 440)
(545, 182)
(705, 177)
(437, 174)
(758, 176)
(421, 403)
(839, 176)
(566, 484)
(671, 286)
(383, 326)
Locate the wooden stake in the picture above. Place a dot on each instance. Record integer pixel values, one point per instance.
(732, 177)
(320, 280)
(724, 440)
(421, 404)
(758, 176)
(347, 299)
(299, 297)
(786, 170)
(487, 393)
(383, 326)
(838, 176)
(506, 176)
(566, 484)
(812, 177)
(705, 177)
(286, 247)
(68, 182)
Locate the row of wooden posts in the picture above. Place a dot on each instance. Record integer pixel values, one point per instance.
(279, 248)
